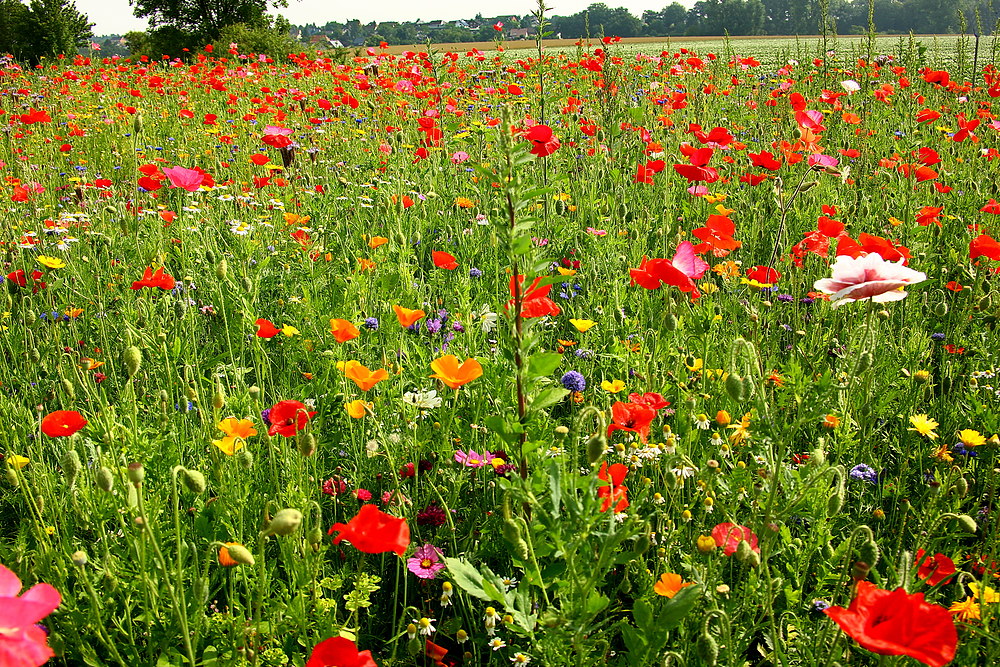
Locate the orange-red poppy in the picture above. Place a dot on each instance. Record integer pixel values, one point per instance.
(448, 370)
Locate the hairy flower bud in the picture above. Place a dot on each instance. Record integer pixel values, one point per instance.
(105, 479)
(285, 522)
(133, 360)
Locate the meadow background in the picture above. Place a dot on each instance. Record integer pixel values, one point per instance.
(769, 456)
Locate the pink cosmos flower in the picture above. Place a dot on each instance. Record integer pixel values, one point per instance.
(868, 277)
(181, 177)
(22, 643)
(729, 536)
(426, 562)
(471, 459)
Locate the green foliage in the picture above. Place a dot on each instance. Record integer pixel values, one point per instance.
(42, 29)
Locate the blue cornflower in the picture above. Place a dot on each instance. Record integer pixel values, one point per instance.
(574, 381)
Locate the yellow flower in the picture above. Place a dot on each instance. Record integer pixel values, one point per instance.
(754, 283)
(895, 222)
(18, 461)
(566, 272)
(74, 312)
(924, 425)
(695, 365)
(971, 438)
(614, 386)
(289, 330)
(723, 211)
(583, 325)
(706, 544)
(942, 454)
(464, 202)
(965, 610)
(50, 262)
(715, 199)
(229, 445)
(50, 530)
(356, 409)
(990, 596)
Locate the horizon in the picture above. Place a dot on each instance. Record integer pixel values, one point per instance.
(115, 17)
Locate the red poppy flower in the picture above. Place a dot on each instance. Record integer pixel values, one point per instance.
(288, 418)
(650, 399)
(764, 275)
(372, 531)
(633, 417)
(435, 653)
(535, 301)
(717, 235)
(339, 652)
(992, 206)
(729, 536)
(543, 142)
(444, 260)
(159, 279)
(266, 329)
(614, 493)
(934, 569)
(894, 623)
(764, 160)
(984, 245)
(62, 423)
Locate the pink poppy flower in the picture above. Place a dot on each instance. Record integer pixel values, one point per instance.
(426, 562)
(22, 642)
(472, 459)
(186, 179)
(729, 536)
(868, 277)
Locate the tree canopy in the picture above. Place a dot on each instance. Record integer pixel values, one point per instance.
(42, 28)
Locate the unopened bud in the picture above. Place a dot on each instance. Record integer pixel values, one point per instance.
(79, 558)
(133, 360)
(193, 480)
(71, 466)
(105, 479)
(285, 522)
(222, 270)
(240, 554)
(707, 649)
(968, 524)
(596, 445)
(135, 473)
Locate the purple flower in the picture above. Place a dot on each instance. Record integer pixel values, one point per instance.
(471, 459)
(371, 323)
(865, 473)
(574, 381)
(265, 415)
(475, 273)
(426, 562)
(433, 326)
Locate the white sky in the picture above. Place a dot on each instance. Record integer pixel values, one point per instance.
(115, 16)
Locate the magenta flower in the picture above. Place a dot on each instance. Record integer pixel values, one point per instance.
(868, 277)
(22, 642)
(187, 179)
(426, 562)
(471, 459)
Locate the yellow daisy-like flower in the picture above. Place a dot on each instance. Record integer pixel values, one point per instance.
(289, 330)
(50, 262)
(971, 438)
(989, 596)
(613, 387)
(696, 365)
(583, 325)
(942, 454)
(965, 610)
(924, 425)
(565, 272)
(18, 461)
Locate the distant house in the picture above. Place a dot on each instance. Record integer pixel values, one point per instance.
(324, 42)
(519, 33)
(432, 25)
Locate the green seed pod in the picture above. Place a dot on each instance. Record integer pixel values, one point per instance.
(596, 445)
(285, 522)
(670, 322)
(222, 270)
(940, 309)
(736, 388)
(968, 524)
(193, 480)
(210, 256)
(12, 478)
(865, 360)
(707, 649)
(219, 396)
(245, 459)
(68, 387)
(105, 479)
(240, 554)
(961, 487)
(133, 360)
(71, 466)
(254, 393)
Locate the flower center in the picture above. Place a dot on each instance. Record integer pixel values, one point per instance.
(426, 563)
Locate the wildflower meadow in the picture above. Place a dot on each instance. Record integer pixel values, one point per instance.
(605, 355)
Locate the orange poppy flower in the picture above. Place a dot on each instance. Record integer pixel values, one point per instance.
(363, 377)
(448, 370)
(406, 316)
(343, 330)
(376, 241)
(669, 585)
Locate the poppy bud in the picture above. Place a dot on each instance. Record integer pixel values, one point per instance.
(79, 558)
(306, 444)
(240, 554)
(137, 123)
(210, 256)
(135, 473)
(285, 522)
(219, 397)
(817, 457)
(193, 480)
(826, 551)
(596, 445)
(247, 284)
(961, 487)
(967, 523)
(986, 302)
(743, 551)
(860, 570)
(71, 466)
(245, 459)
(133, 360)
(68, 388)
(105, 479)
(222, 270)
(736, 388)
(40, 504)
(314, 536)
(27, 317)
(642, 543)
(940, 309)
(191, 393)
(670, 322)
(35, 355)
(707, 649)
(869, 553)
(865, 360)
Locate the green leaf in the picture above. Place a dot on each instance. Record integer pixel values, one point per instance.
(506, 431)
(596, 603)
(678, 607)
(493, 592)
(543, 363)
(548, 397)
(555, 486)
(642, 612)
(520, 245)
(467, 578)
